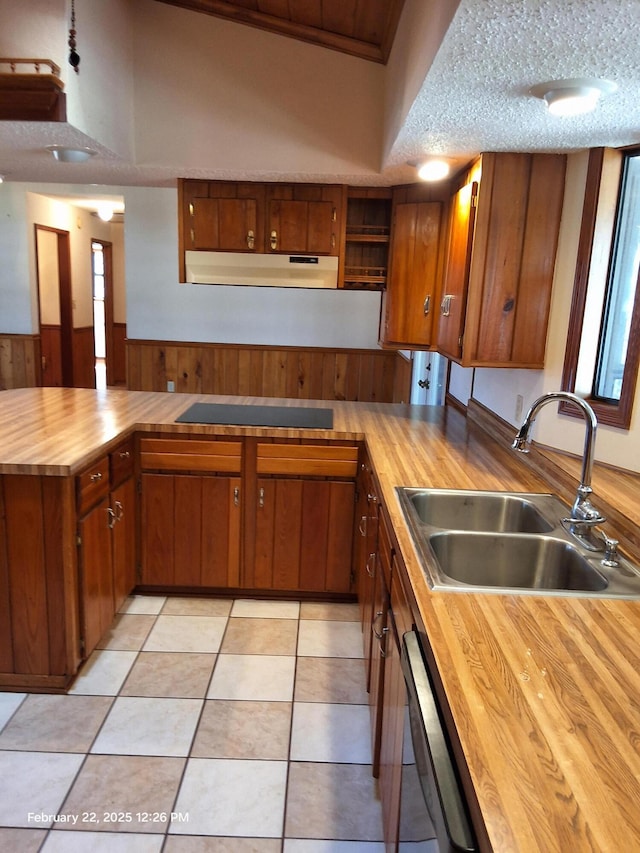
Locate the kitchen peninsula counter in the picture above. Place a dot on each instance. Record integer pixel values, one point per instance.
(543, 691)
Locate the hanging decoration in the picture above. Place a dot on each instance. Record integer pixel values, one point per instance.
(74, 57)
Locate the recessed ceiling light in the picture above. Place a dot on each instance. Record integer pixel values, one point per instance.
(71, 155)
(572, 97)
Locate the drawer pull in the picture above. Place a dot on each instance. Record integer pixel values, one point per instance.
(370, 565)
(124, 454)
(95, 478)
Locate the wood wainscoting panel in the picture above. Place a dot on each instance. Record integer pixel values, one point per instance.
(19, 361)
(306, 373)
(84, 360)
(119, 354)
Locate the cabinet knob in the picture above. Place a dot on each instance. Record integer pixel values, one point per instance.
(274, 240)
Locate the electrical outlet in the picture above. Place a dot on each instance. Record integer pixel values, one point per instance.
(519, 405)
(171, 385)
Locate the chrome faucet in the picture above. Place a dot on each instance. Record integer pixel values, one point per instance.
(584, 515)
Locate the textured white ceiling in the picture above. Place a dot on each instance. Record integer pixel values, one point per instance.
(475, 97)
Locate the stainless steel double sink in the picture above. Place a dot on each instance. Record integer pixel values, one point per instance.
(481, 541)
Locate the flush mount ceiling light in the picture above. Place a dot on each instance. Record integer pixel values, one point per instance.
(105, 212)
(432, 170)
(71, 155)
(573, 97)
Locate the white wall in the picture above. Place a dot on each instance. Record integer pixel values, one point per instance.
(159, 308)
(100, 96)
(17, 316)
(22, 206)
(421, 30)
(216, 95)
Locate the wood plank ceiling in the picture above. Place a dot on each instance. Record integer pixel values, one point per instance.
(362, 28)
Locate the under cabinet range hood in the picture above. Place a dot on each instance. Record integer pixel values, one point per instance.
(262, 270)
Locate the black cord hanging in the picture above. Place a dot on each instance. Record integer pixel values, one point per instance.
(74, 57)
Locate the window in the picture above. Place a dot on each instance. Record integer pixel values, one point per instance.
(603, 344)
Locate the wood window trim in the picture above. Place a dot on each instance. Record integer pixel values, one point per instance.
(612, 414)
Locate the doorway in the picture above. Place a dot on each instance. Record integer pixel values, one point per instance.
(102, 281)
(55, 310)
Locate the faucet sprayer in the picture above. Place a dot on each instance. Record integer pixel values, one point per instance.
(583, 514)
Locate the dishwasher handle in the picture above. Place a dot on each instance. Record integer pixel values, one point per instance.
(435, 763)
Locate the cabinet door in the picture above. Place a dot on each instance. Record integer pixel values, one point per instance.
(379, 632)
(226, 224)
(96, 574)
(394, 699)
(367, 513)
(304, 535)
(456, 276)
(304, 218)
(514, 251)
(190, 530)
(412, 289)
(123, 500)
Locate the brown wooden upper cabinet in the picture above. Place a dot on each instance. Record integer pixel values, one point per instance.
(410, 301)
(222, 215)
(503, 235)
(230, 216)
(304, 218)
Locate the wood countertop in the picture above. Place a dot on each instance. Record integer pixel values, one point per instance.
(544, 691)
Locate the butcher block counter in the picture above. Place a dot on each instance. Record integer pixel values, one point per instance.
(543, 691)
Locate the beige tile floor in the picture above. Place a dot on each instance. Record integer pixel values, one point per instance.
(199, 725)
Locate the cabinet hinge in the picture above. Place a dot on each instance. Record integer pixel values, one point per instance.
(138, 572)
(139, 486)
(78, 540)
(82, 645)
(352, 578)
(460, 341)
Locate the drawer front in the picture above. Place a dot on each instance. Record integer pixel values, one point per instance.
(167, 454)
(92, 485)
(308, 460)
(121, 463)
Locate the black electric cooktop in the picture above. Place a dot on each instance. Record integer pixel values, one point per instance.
(249, 415)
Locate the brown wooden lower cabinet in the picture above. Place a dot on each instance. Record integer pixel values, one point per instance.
(105, 495)
(365, 557)
(190, 528)
(96, 574)
(303, 535)
(394, 700)
(386, 618)
(264, 515)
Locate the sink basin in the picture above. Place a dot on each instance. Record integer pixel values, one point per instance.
(523, 562)
(487, 511)
(508, 542)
